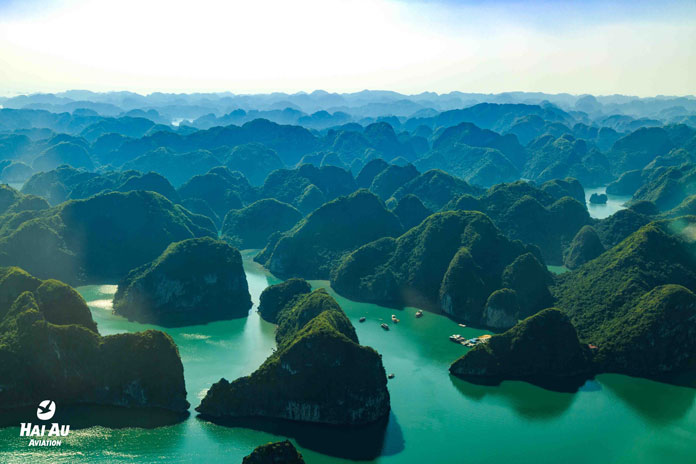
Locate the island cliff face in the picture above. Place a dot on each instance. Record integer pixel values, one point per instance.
(502, 309)
(542, 349)
(319, 373)
(193, 282)
(50, 348)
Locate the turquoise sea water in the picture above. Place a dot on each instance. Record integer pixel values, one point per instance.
(435, 418)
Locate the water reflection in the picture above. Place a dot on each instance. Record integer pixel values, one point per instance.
(657, 402)
(382, 438)
(554, 384)
(528, 401)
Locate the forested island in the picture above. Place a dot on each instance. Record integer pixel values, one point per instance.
(51, 348)
(319, 372)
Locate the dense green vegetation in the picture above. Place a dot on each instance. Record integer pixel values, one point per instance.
(451, 262)
(319, 373)
(254, 160)
(178, 168)
(629, 291)
(668, 187)
(435, 188)
(586, 245)
(632, 305)
(65, 183)
(192, 282)
(282, 452)
(98, 239)
(50, 348)
(410, 211)
(318, 242)
(68, 153)
(391, 178)
(618, 226)
(215, 193)
(547, 216)
(277, 297)
(562, 156)
(252, 226)
(307, 187)
(543, 349)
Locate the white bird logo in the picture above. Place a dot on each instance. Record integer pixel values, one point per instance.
(46, 410)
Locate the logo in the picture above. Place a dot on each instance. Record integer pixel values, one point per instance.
(46, 410)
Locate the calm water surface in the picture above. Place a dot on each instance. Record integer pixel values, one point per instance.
(435, 418)
(614, 203)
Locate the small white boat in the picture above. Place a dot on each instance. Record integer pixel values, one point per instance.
(384, 326)
(419, 313)
(362, 319)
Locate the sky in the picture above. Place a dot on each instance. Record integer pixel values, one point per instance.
(605, 47)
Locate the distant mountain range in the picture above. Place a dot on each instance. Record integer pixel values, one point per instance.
(322, 108)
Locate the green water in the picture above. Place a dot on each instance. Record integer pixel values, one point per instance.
(435, 418)
(558, 270)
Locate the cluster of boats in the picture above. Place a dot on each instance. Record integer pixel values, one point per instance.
(456, 338)
(394, 319)
(471, 342)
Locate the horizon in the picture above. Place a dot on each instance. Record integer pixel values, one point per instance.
(310, 92)
(409, 46)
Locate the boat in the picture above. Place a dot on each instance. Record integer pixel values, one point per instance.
(362, 319)
(384, 326)
(462, 325)
(390, 376)
(419, 313)
(394, 319)
(456, 338)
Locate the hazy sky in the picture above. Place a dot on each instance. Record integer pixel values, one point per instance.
(252, 46)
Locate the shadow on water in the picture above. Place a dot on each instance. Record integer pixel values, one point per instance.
(382, 438)
(660, 403)
(83, 416)
(527, 400)
(559, 385)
